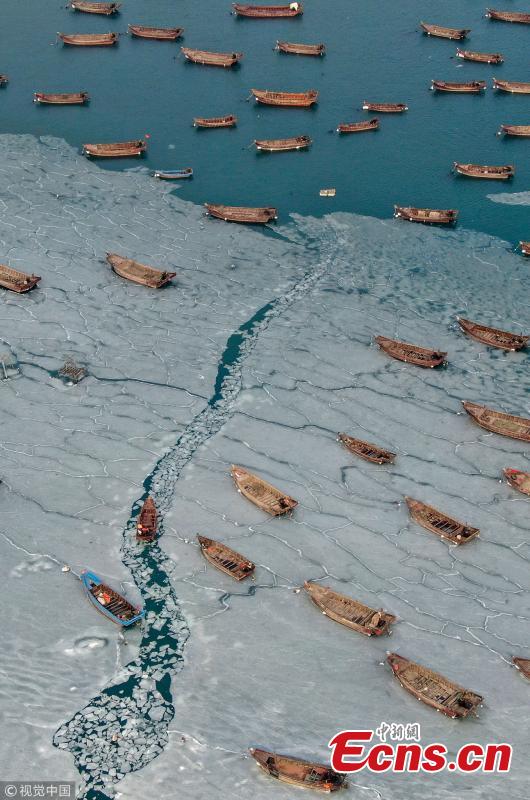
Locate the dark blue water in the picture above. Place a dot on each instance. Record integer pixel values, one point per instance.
(374, 51)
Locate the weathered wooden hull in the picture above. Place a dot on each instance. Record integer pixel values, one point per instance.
(385, 108)
(518, 480)
(474, 87)
(242, 214)
(349, 612)
(483, 58)
(286, 99)
(411, 353)
(499, 422)
(427, 216)
(105, 9)
(444, 33)
(440, 524)
(116, 150)
(173, 175)
(88, 39)
(484, 172)
(282, 145)
(225, 559)
(514, 130)
(146, 527)
(493, 337)
(214, 122)
(301, 49)
(358, 127)
(160, 34)
(508, 16)
(75, 99)
(523, 665)
(211, 59)
(525, 248)
(513, 87)
(139, 273)
(367, 450)
(17, 281)
(297, 772)
(266, 12)
(261, 493)
(108, 602)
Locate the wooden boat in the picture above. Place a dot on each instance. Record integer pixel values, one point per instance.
(16, 281)
(525, 248)
(292, 99)
(173, 174)
(473, 87)
(515, 87)
(89, 39)
(514, 130)
(116, 149)
(225, 559)
(94, 8)
(366, 450)
(281, 145)
(522, 664)
(433, 689)
(109, 602)
(358, 127)
(429, 216)
(301, 49)
(297, 772)
(349, 612)
(242, 213)
(493, 337)
(72, 372)
(261, 493)
(73, 99)
(215, 122)
(519, 480)
(4, 80)
(139, 273)
(146, 527)
(444, 33)
(327, 192)
(442, 525)
(484, 171)
(267, 12)
(499, 422)
(508, 16)
(385, 108)
(162, 34)
(484, 58)
(411, 353)
(211, 59)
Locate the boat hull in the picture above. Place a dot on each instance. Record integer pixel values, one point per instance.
(90, 581)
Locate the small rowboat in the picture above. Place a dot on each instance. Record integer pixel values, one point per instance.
(508, 16)
(162, 34)
(385, 108)
(522, 664)
(89, 39)
(74, 99)
(139, 273)
(225, 559)
(357, 127)
(267, 12)
(4, 80)
(366, 450)
(514, 130)
(515, 87)
(473, 87)
(444, 33)
(292, 99)
(307, 774)
(499, 422)
(16, 281)
(261, 493)
(519, 480)
(411, 353)
(484, 58)
(94, 8)
(493, 337)
(301, 49)
(215, 122)
(116, 149)
(442, 525)
(173, 174)
(211, 59)
(525, 248)
(109, 602)
(146, 526)
(433, 689)
(349, 612)
(282, 145)
(429, 216)
(242, 213)
(484, 171)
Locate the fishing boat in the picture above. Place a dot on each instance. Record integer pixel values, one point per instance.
(441, 524)
(349, 612)
(211, 59)
(366, 450)
(72, 372)
(89, 39)
(267, 12)
(331, 192)
(514, 130)
(429, 216)
(94, 8)
(522, 664)
(484, 171)
(225, 559)
(499, 422)
(282, 145)
(525, 248)
(301, 49)
(173, 174)
(297, 772)
(261, 493)
(472, 87)
(242, 213)
(146, 527)
(215, 122)
(509, 16)
(385, 108)
(17, 281)
(411, 353)
(519, 480)
(162, 34)
(434, 689)
(292, 99)
(358, 127)
(116, 149)
(484, 58)
(444, 33)
(73, 99)
(109, 602)
(4, 80)
(139, 273)
(514, 87)
(493, 337)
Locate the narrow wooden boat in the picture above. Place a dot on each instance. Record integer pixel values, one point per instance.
(385, 108)
(211, 59)
(349, 612)
(525, 248)
(242, 213)
(473, 87)
(282, 145)
(493, 337)
(519, 480)
(162, 34)
(225, 559)
(73, 99)
(261, 493)
(109, 602)
(515, 87)
(509, 16)
(514, 130)
(485, 171)
(301, 49)
(441, 524)
(297, 772)
(499, 422)
(215, 122)
(116, 149)
(17, 281)
(327, 192)
(72, 372)
(146, 527)
(434, 689)
(358, 127)
(94, 8)
(292, 99)
(411, 353)
(429, 216)
(89, 39)
(523, 665)
(267, 12)
(444, 33)
(139, 273)
(173, 174)
(484, 58)
(366, 450)
(4, 80)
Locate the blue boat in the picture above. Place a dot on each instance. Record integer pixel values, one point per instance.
(109, 602)
(173, 174)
